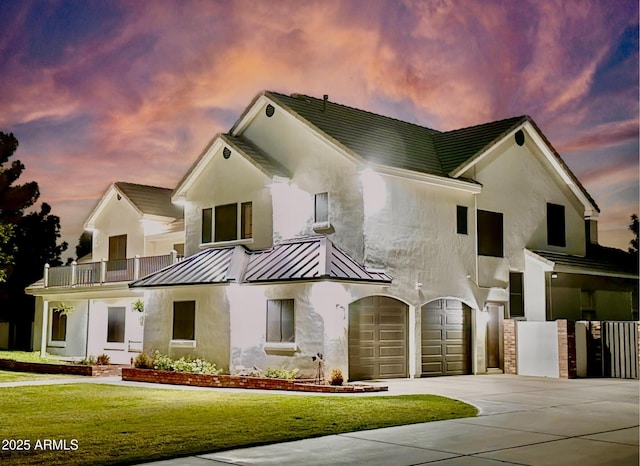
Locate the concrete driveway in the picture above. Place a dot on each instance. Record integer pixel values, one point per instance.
(522, 421)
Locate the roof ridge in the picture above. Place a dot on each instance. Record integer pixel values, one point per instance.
(142, 185)
(502, 120)
(296, 95)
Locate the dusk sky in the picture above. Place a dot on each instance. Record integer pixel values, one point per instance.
(103, 91)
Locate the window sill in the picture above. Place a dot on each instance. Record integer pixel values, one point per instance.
(319, 227)
(235, 242)
(182, 343)
(280, 348)
(57, 344)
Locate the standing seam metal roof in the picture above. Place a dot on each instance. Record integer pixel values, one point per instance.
(295, 260)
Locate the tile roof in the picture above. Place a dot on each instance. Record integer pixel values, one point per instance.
(151, 200)
(261, 160)
(311, 258)
(598, 259)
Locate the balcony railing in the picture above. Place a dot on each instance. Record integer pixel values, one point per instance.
(96, 273)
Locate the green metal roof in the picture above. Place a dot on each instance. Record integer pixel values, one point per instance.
(598, 259)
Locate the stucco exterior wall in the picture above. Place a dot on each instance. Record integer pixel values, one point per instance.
(118, 217)
(227, 181)
(211, 322)
(535, 285)
(316, 167)
(538, 349)
(519, 183)
(75, 344)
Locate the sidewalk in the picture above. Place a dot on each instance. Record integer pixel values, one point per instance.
(522, 421)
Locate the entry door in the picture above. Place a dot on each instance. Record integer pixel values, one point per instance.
(493, 335)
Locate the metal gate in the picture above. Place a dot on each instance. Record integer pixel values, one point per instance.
(620, 349)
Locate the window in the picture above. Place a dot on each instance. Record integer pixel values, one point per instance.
(117, 253)
(556, 225)
(207, 225)
(226, 223)
(490, 234)
(321, 208)
(184, 320)
(246, 220)
(516, 294)
(115, 324)
(280, 322)
(58, 326)
(461, 218)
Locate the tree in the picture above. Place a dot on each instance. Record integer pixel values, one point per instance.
(84, 245)
(27, 242)
(634, 228)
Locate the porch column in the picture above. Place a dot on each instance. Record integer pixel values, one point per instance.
(45, 328)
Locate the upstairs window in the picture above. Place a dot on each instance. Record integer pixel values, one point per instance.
(115, 324)
(516, 294)
(184, 320)
(246, 220)
(556, 235)
(207, 225)
(490, 234)
(58, 325)
(226, 222)
(117, 253)
(321, 208)
(280, 321)
(461, 220)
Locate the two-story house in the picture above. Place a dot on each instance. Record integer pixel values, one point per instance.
(87, 308)
(393, 249)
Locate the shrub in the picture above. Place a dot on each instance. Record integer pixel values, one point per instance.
(143, 361)
(184, 364)
(90, 361)
(336, 377)
(103, 360)
(282, 373)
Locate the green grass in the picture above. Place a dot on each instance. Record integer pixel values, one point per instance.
(11, 376)
(30, 356)
(115, 424)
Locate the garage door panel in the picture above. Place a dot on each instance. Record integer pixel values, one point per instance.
(446, 326)
(378, 328)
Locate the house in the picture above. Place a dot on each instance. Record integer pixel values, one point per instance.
(393, 249)
(84, 309)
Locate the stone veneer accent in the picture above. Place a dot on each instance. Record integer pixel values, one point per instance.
(510, 347)
(233, 381)
(44, 368)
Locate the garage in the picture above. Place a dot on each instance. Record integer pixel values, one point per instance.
(446, 338)
(378, 333)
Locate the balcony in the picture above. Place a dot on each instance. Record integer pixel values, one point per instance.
(113, 271)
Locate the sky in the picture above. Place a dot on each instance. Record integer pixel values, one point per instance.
(104, 91)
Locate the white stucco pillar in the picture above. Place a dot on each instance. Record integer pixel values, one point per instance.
(412, 341)
(45, 328)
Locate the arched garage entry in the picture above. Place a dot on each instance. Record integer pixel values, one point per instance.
(378, 338)
(446, 338)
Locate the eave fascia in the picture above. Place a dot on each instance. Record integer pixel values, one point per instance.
(434, 180)
(110, 193)
(577, 270)
(179, 193)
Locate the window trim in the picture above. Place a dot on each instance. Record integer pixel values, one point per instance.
(320, 223)
(240, 225)
(283, 340)
(124, 324)
(58, 343)
(520, 293)
(207, 221)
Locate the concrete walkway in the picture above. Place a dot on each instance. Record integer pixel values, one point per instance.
(522, 421)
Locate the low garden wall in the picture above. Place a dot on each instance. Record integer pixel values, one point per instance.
(74, 369)
(235, 381)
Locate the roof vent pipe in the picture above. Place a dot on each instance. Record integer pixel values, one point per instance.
(325, 99)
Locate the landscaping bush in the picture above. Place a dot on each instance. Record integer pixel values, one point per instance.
(143, 361)
(336, 377)
(184, 364)
(89, 361)
(103, 360)
(282, 373)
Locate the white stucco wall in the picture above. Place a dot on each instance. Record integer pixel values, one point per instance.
(535, 300)
(118, 217)
(75, 344)
(226, 181)
(537, 349)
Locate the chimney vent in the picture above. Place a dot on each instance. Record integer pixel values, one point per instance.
(325, 99)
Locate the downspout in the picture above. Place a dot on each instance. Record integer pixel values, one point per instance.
(86, 348)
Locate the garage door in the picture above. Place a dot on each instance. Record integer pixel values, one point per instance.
(446, 338)
(378, 330)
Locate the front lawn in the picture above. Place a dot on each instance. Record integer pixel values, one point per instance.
(112, 424)
(11, 376)
(30, 356)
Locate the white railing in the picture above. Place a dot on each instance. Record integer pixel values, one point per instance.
(105, 271)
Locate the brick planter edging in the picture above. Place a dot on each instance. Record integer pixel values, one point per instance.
(45, 368)
(234, 381)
